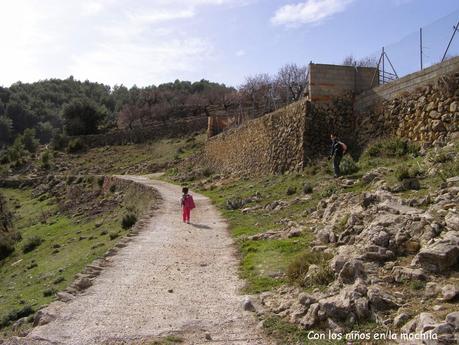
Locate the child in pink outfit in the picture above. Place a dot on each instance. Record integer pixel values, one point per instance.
(187, 203)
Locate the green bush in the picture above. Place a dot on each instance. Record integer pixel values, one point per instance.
(75, 145)
(29, 140)
(307, 188)
(329, 191)
(235, 203)
(291, 190)
(49, 292)
(6, 246)
(45, 156)
(348, 166)
(405, 173)
(59, 141)
(31, 244)
(128, 221)
(298, 268)
(113, 235)
(16, 315)
(391, 147)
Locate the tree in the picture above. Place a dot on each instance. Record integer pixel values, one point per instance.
(6, 126)
(368, 61)
(82, 117)
(29, 140)
(292, 80)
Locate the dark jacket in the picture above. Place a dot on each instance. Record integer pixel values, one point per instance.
(336, 148)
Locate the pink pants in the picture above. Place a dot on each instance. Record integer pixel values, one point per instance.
(186, 214)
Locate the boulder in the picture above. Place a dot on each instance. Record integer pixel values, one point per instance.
(381, 300)
(449, 292)
(311, 317)
(351, 270)
(432, 289)
(337, 307)
(453, 320)
(452, 221)
(440, 255)
(401, 319)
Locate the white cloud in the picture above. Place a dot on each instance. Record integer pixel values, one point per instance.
(308, 12)
(111, 41)
(241, 53)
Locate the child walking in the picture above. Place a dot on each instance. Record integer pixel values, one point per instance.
(187, 203)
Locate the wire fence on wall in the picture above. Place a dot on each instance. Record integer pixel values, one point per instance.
(422, 48)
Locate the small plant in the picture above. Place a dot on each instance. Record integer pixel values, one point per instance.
(307, 188)
(100, 181)
(299, 267)
(417, 285)
(75, 145)
(128, 221)
(112, 188)
(113, 235)
(404, 173)
(49, 292)
(235, 204)
(45, 160)
(329, 191)
(31, 244)
(59, 141)
(16, 315)
(291, 190)
(392, 147)
(348, 166)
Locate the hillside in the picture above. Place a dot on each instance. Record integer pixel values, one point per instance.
(373, 250)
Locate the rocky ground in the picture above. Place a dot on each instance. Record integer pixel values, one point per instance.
(395, 262)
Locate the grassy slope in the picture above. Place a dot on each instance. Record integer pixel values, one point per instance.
(26, 276)
(262, 261)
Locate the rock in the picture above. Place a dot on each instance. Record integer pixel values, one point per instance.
(295, 232)
(452, 221)
(247, 305)
(401, 319)
(306, 299)
(431, 289)
(449, 292)
(19, 323)
(82, 283)
(440, 255)
(311, 316)
(381, 300)
(208, 336)
(453, 320)
(43, 317)
(351, 270)
(361, 308)
(402, 274)
(426, 322)
(337, 307)
(65, 296)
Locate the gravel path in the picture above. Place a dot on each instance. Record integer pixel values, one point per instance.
(173, 278)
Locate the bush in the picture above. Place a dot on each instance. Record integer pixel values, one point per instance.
(307, 188)
(291, 190)
(31, 244)
(6, 246)
(392, 147)
(113, 235)
(235, 204)
(16, 315)
(45, 160)
(329, 191)
(29, 140)
(298, 268)
(49, 292)
(128, 221)
(405, 173)
(59, 141)
(75, 145)
(348, 166)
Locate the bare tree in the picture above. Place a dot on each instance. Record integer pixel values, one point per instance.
(258, 91)
(368, 61)
(292, 79)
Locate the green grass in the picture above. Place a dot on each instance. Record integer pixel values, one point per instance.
(68, 244)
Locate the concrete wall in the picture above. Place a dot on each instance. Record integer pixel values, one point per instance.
(329, 81)
(174, 128)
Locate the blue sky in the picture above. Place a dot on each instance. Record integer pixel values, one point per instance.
(146, 42)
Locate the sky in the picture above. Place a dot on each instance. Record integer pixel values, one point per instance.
(148, 42)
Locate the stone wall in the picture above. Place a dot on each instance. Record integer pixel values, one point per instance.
(329, 81)
(176, 128)
(422, 107)
(273, 143)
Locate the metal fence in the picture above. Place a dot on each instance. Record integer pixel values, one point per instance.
(422, 48)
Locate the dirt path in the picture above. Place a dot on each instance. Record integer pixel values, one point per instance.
(173, 278)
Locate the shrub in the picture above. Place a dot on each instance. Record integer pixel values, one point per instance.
(128, 221)
(45, 160)
(307, 188)
(59, 141)
(404, 173)
(113, 235)
(291, 190)
(75, 145)
(29, 140)
(348, 166)
(450, 169)
(6, 246)
(298, 268)
(16, 315)
(31, 244)
(49, 292)
(100, 181)
(329, 191)
(82, 116)
(112, 188)
(235, 204)
(392, 147)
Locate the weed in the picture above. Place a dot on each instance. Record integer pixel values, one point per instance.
(31, 244)
(348, 166)
(128, 221)
(299, 267)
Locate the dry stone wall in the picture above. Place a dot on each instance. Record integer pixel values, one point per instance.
(273, 143)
